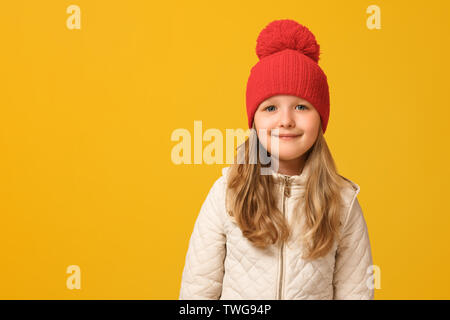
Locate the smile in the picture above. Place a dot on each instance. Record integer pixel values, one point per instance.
(287, 137)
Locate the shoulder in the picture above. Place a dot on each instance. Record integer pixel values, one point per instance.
(349, 191)
(217, 192)
(351, 207)
(225, 172)
(218, 187)
(213, 208)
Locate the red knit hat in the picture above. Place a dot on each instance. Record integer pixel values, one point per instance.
(288, 64)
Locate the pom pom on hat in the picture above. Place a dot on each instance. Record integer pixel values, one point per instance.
(287, 34)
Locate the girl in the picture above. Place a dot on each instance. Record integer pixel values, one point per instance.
(293, 232)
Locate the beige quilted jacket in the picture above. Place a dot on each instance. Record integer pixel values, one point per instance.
(222, 264)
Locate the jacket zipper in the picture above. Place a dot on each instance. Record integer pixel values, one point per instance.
(286, 193)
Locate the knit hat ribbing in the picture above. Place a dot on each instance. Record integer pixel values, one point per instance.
(288, 64)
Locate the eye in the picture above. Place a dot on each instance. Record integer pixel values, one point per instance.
(302, 105)
(269, 107)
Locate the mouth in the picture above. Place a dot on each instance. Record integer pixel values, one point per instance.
(287, 136)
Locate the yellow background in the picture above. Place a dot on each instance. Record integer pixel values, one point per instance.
(86, 176)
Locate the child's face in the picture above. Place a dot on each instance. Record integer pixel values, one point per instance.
(291, 115)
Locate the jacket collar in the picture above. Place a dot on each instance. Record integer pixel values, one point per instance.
(280, 178)
(294, 180)
(298, 182)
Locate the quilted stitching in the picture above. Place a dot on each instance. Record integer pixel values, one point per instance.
(353, 257)
(222, 264)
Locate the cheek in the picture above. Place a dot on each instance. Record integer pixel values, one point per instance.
(310, 127)
(262, 121)
(311, 124)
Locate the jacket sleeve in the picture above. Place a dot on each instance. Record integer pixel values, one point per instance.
(353, 279)
(204, 264)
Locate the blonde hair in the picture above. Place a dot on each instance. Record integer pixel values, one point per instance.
(251, 202)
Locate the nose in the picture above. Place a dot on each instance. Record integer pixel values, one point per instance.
(286, 118)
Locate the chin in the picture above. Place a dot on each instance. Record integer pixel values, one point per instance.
(289, 152)
(286, 156)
